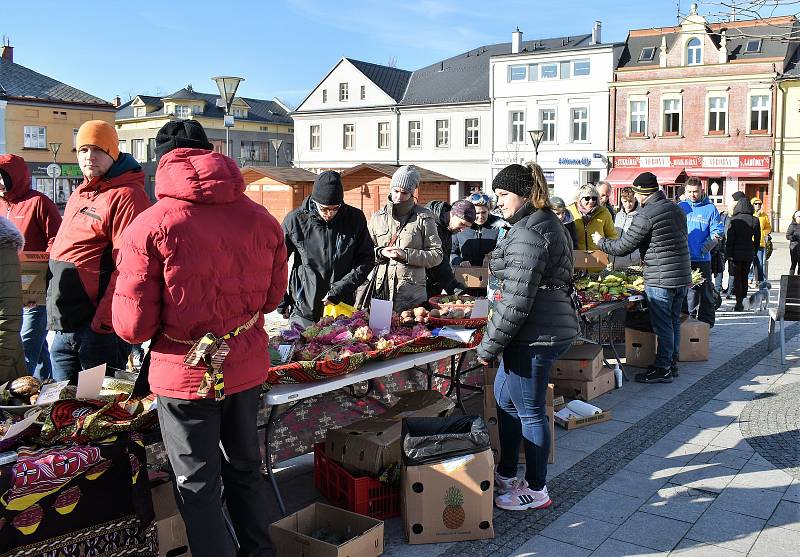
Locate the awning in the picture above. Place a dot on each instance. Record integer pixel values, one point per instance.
(729, 172)
(622, 177)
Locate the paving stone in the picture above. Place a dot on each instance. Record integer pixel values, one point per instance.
(668, 448)
(786, 515)
(692, 548)
(679, 503)
(726, 529)
(612, 427)
(586, 440)
(756, 476)
(628, 412)
(548, 547)
(615, 548)
(579, 530)
(633, 484)
(760, 503)
(708, 477)
(655, 467)
(729, 458)
(724, 408)
(607, 506)
(793, 493)
(690, 434)
(655, 532)
(776, 541)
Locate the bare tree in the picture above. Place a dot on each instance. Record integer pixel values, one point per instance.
(392, 63)
(722, 11)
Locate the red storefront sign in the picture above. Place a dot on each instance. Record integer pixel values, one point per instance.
(753, 162)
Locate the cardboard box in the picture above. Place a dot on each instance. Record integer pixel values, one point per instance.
(694, 341)
(291, 536)
(490, 417)
(640, 348)
(590, 259)
(582, 362)
(586, 390)
(468, 481)
(576, 423)
(171, 530)
(34, 265)
(369, 446)
(472, 277)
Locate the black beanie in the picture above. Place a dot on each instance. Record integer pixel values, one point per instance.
(328, 189)
(645, 183)
(181, 133)
(515, 178)
(737, 195)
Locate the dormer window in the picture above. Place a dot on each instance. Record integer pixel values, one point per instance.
(139, 111)
(647, 54)
(182, 111)
(240, 112)
(752, 46)
(694, 52)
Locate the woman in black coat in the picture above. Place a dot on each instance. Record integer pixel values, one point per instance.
(793, 235)
(742, 241)
(472, 245)
(533, 323)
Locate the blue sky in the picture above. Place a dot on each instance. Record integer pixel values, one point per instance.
(282, 48)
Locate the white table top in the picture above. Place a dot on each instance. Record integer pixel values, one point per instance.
(281, 394)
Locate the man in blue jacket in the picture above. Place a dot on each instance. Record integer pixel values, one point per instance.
(705, 229)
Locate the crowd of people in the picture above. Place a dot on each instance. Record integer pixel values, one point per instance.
(206, 262)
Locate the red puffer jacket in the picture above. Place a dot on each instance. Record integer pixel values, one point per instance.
(204, 258)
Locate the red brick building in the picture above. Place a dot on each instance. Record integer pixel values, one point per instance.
(698, 99)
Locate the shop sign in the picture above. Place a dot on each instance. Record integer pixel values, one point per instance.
(67, 170)
(721, 162)
(626, 162)
(754, 161)
(691, 161)
(654, 162)
(566, 161)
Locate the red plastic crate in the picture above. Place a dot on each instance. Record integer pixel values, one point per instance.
(362, 495)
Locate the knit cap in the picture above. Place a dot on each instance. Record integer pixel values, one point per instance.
(100, 134)
(464, 210)
(328, 189)
(406, 178)
(515, 178)
(181, 133)
(645, 183)
(557, 203)
(737, 195)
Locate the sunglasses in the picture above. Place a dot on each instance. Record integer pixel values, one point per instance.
(756, 204)
(590, 198)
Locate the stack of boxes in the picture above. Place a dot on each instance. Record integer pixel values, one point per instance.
(579, 373)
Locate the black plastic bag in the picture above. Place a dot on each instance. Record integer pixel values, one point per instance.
(432, 440)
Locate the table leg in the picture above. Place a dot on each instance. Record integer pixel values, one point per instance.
(429, 371)
(268, 430)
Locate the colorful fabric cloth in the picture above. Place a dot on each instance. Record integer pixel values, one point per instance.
(80, 421)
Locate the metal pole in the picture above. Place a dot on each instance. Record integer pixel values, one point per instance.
(227, 139)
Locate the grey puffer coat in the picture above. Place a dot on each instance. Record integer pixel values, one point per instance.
(533, 264)
(12, 358)
(659, 232)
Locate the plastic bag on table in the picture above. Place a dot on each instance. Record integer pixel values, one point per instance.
(432, 440)
(336, 310)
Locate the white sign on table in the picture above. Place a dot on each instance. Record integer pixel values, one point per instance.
(480, 308)
(380, 316)
(90, 381)
(51, 392)
(21, 426)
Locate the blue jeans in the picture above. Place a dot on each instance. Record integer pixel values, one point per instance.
(758, 270)
(665, 316)
(84, 349)
(34, 342)
(520, 390)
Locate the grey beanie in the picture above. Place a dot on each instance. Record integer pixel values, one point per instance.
(406, 178)
(557, 203)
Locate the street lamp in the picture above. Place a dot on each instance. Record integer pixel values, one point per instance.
(54, 147)
(227, 90)
(536, 138)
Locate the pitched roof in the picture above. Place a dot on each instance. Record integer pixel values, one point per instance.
(23, 83)
(425, 175)
(281, 174)
(793, 66)
(392, 81)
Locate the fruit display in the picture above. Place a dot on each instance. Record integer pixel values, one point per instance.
(608, 286)
(697, 277)
(452, 307)
(21, 391)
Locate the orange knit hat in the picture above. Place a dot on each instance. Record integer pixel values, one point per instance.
(101, 134)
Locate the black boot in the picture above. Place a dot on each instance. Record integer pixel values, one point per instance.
(674, 368)
(738, 307)
(655, 375)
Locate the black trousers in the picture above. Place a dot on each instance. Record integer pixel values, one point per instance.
(794, 254)
(700, 299)
(740, 271)
(209, 444)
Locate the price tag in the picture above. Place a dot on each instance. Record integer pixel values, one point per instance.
(90, 381)
(51, 392)
(21, 426)
(286, 351)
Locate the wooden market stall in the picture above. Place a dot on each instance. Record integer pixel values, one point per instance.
(279, 189)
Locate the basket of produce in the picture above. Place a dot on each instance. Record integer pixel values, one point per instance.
(462, 301)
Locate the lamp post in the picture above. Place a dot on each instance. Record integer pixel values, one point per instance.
(56, 171)
(536, 138)
(227, 86)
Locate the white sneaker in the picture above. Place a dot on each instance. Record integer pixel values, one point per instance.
(504, 485)
(523, 499)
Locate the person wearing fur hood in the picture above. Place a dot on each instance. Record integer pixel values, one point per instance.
(12, 357)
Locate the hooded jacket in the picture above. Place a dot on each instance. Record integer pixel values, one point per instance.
(744, 233)
(83, 256)
(533, 264)
(622, 222)
(600, 220)
(417, 235)
(330, 258)
(441, 276)
(12, 357)
(476, 242)
(31, 211)
(703, 222)
(205, 258)
(765, 225)
(793, 235)
(659, 232)
(569, 224)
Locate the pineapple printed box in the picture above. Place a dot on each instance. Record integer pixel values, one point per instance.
(450, 500)
(33, 267)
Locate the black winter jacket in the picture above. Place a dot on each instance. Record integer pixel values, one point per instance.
(659, 232)
(793, 235)
(533, 265)
(330, 258)
(475, 242)
(743, 237)
(441, 277)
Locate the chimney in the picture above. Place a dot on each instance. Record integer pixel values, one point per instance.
(117, 101)
(7, 53)
(516, 41)
(596, 32)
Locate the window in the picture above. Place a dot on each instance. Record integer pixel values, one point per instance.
(123, 146)
(581, 67)
(647, 54)
(343, 92)
(547, 119)
(672, 116)
(59, 115)
(182, 111)
(517, 119)
(289, 149)
(363, 92)
(151, 149)
(580, 124)
(517, 73)
(759, 114)
(564, 70)
(348, 136)
(75, 138)
(35, 137)
(139, 111)
(549, 71)
(198, 109)
(717, 115)
(638, 123)
(324, 95)
(752, 46)
(533, 72)
(255, 151)
(384, 135)
(240, 113)
(314, 141)
(443, 133)
(414, 134)
(137, 150)
(694, 52)
(471, 132)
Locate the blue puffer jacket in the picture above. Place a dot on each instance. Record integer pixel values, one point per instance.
(703, 222)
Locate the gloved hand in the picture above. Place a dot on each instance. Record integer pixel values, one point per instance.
(709, 244)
